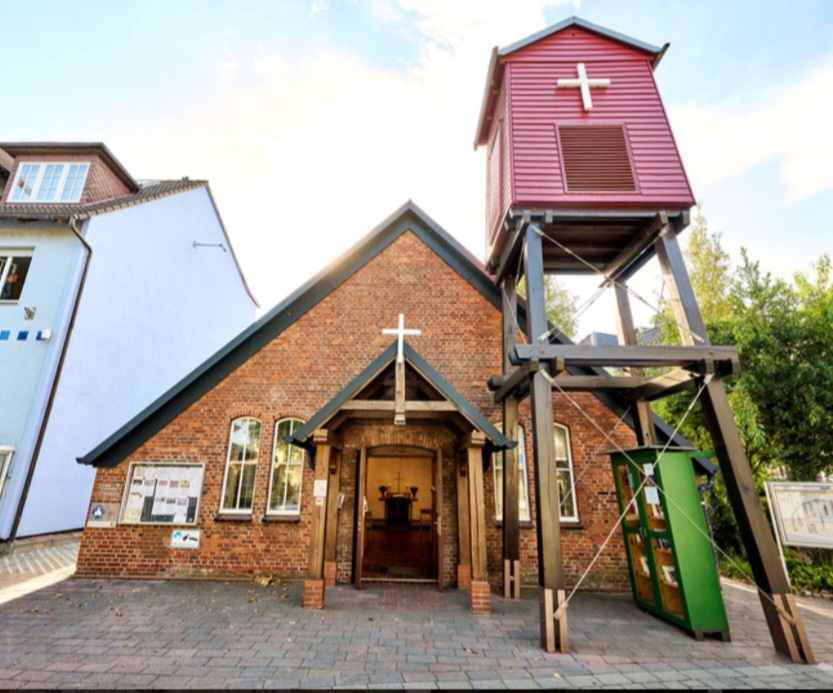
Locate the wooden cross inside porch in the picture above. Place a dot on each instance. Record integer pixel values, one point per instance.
(400, 332)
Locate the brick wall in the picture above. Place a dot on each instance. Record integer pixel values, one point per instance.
(300, 371)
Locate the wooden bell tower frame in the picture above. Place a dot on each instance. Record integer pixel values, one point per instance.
(530, 369)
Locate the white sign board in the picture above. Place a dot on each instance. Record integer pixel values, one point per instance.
(185, 539)
(802, 512)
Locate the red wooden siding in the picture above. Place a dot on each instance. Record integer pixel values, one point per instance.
(532, 107)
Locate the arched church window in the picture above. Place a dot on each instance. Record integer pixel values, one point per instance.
(565, 474)
(239, 482)
(287, 471)
(523, 489)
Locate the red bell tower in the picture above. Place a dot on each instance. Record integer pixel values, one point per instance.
(584, 177)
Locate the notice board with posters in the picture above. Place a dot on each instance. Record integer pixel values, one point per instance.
(802, 512)
(162, 494)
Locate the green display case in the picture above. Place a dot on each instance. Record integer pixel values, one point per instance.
(672, 566)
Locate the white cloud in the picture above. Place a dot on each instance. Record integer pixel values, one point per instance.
(787, 124)
(307, 152)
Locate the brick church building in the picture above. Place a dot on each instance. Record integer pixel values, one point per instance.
(354, 433)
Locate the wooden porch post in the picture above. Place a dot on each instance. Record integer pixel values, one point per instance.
(783, 618)
(511, 492)
(480, 593)
(314, 584)
(551, 591)
(463, 523)
(331, 534)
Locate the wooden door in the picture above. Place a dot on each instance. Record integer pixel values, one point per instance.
(360, 516)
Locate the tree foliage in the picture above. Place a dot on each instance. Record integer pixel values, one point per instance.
(783, 398)
(561, 305)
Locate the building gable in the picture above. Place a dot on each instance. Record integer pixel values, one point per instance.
(409, 219)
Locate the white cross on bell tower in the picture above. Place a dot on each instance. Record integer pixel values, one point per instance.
(584, 84)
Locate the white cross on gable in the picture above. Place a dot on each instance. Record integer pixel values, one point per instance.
(400, 332)
(584, 84)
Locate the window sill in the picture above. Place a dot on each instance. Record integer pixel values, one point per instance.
(219, 517)
(280, 518)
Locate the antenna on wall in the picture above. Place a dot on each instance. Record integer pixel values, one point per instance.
(209, 245)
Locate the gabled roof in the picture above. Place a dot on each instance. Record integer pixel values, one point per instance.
(207, 375)
(49, 210)
(495, 74)
(202, 379)
(496, 439)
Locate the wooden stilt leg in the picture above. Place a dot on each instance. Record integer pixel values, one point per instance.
(782, 616)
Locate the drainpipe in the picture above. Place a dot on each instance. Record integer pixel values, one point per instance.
(73, 225)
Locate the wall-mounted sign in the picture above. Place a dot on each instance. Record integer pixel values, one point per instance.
(802, 512)
(185, 539)
(103, 515)
(162, 494)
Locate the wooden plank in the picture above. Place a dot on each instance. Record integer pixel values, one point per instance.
(477, 505)
(399, 411)
(548, 520)
(511, 476)
(638, 244)
(789, 638)
(333, 489)
(371, 405)
(630, 356)
(661, 386)
(315, 566)
(361, 528)
(644, 428)
(463, 514)
(437, 529)
(511, 382)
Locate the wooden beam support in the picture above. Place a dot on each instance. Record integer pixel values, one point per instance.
(661, 386)
(639, 243)
(391, 405)
(547, 503)
(463, 523)
(693, 358)
(473, 447)
(331, 530)
(646, 433)
(511, 473)
(512, 382)
(783, 618)
(315, 565)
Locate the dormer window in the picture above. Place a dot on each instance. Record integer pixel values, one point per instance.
(49, 182)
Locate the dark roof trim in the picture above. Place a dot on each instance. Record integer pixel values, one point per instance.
(584, 24)
(466, 408)
(62, 211)
(495, 73)
(207, 375)
(202, 379)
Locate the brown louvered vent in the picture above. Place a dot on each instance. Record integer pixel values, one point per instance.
(596, 158)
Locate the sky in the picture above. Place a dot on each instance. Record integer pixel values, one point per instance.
(314, 120)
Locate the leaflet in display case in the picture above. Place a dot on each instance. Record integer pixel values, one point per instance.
(673, 572)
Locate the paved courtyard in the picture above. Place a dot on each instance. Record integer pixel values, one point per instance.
(137, 634)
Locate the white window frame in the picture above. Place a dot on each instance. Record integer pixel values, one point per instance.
(566, 467)
(299, 458)
(32, 194)
(523, 496)
(7, 254)
(6, 454)
(245, 462)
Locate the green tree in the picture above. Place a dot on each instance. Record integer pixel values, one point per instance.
(561, 305)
